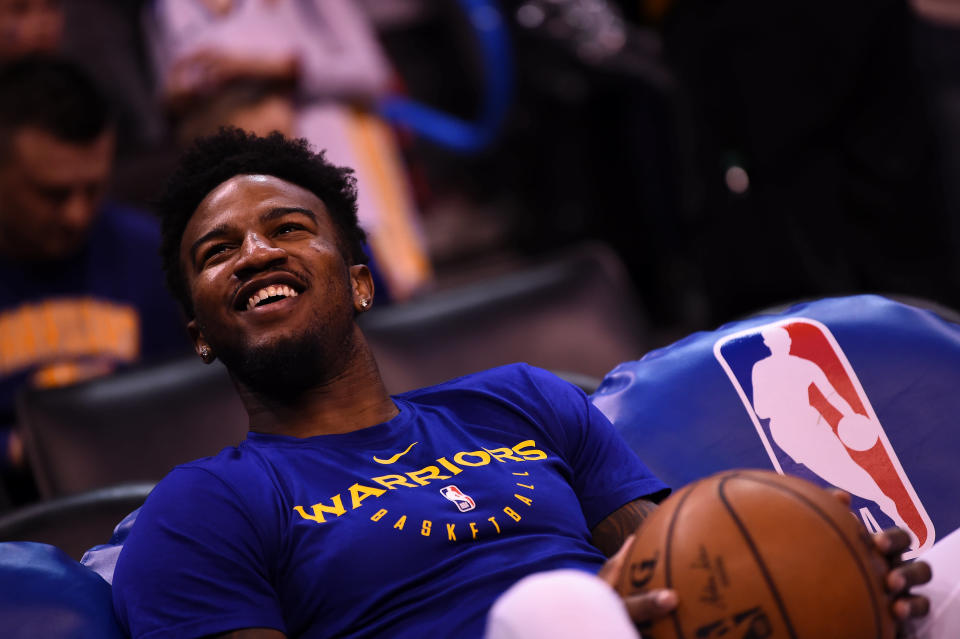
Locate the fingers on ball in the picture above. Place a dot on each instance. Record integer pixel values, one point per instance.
(651, 605)
(911, 607)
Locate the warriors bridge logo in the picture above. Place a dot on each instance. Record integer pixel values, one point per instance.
(815, 421)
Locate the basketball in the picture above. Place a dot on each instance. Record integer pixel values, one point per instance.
(753, 554)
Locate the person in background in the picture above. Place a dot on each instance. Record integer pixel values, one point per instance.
(306, 68)
(81, 289)
(30, 27)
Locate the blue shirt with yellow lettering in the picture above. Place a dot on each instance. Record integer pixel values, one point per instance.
(104, 308)
(409, 528)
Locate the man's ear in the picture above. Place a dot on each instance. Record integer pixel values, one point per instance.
(200, 344)
(362, 282)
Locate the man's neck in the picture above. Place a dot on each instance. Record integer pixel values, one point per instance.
(351, 400)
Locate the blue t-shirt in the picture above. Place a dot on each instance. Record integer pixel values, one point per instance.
(102, 309)
(410, 528)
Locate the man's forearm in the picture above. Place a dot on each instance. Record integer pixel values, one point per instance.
(610, 533)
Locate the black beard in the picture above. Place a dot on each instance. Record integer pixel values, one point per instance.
(286, 368)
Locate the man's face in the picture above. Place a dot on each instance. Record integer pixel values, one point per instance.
(30, 26)
(272, 294)
(50, 191)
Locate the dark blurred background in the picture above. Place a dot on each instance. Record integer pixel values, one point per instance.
(736, 154)
(685, 162)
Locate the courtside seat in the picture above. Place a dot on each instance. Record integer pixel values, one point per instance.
(77, 522)
(48, 594)
(135, 425)
(575, 311)
(733, 398)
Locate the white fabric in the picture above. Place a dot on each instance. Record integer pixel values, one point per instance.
(560, 604)
(338, 49)
(943, 622)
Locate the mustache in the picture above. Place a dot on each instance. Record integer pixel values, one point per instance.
(299, 276)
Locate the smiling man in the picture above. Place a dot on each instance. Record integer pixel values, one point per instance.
(347, 512)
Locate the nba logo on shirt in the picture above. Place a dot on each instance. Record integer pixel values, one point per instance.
(462, 500)
(815, 421)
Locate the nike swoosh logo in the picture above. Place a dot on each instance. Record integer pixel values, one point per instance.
(390, 460)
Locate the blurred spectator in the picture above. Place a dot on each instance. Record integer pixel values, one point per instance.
(309, 68)
(30, 26)
(104, 37)
(81, 291)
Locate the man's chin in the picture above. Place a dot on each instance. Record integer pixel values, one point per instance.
(282, 368)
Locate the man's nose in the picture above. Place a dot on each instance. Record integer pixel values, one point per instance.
(256, 254)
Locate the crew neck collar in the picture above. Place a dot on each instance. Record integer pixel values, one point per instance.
(371, 434)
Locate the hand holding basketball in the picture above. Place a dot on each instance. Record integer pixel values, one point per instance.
(902, 576)
(642, 607)
(753, 553)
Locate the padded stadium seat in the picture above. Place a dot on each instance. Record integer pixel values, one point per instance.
(575, 312)
(132, 426)
(773, 391)
(75, 523)
(48, 594)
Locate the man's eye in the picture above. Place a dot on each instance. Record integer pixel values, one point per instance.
(213, 251)
(288, 227)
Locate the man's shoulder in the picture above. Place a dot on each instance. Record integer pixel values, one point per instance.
(227, 461)
(519, 386)
(501, 378)
(228, 484)
(230, 470)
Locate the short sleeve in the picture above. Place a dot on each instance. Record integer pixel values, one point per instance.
(194, 564)
(606, 472)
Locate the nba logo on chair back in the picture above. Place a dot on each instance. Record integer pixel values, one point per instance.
(815, 420)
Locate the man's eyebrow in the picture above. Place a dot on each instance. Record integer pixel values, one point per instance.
(280, 211)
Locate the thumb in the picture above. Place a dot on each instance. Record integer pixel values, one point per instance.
(610, 571)
(650, 605)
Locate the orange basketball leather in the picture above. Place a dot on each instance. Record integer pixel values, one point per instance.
(757, 555)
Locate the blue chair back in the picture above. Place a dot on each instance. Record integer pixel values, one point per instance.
(48, 594)
(856, 392)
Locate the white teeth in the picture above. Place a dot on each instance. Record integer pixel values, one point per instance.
(270, 291)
